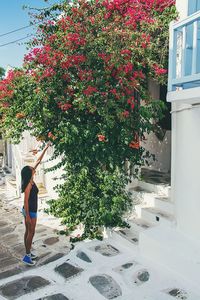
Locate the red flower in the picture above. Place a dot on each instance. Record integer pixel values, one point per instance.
(90, 90)
(126, 51)
(65, 106)
(51, 136)
(113, 91)
(101, 138)
(158, 70)
(128, 68)
(125, 114)
(131, 102)
(76, 38)
(5, 104)
(105, 57)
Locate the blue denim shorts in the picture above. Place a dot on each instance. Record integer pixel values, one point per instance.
(33, 215)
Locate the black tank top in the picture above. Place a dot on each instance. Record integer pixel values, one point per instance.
(33, 198)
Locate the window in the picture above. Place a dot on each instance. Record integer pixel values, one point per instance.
(193, 6)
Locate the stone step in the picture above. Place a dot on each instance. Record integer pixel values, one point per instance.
(159, 189)
(164, 204)
(157, 216)
(139, 225)
(169, 247)
(130, 235)
(7, 170)
(142, 196)
(11, 185)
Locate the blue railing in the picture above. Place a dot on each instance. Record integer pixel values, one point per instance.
(184, 53)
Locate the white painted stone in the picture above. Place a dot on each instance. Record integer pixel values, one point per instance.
(156, 216)
(164, 204)
(174, 250)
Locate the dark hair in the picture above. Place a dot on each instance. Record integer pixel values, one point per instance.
(26, 174)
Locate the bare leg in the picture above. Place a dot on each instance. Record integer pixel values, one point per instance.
(30, 235)
(26, 232)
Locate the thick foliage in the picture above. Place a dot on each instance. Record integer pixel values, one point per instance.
(84, 87)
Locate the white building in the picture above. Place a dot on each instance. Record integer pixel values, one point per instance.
(177, 246)
(184, 94)
(175, 242)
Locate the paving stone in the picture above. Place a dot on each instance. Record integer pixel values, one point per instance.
(67, 270)
(135, 240)
(52, 258)
(43, 255)
(55, 297)
(10, 238)
(41, 230)
(11, 272)
(23, 286)
(3, 223)
(83, 256)
(106, 250)
(6, 230)
(141, 277)
(4, 254)
(126, 266)
(51, 241)
(177, 293)
(19, 249)
(7, 262)
(106, 286)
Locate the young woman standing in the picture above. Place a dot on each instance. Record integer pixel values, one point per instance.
(29, 209)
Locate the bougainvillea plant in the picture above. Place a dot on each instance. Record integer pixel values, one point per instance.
(84, 87)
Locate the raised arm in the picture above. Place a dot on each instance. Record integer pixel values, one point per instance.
(41, 156)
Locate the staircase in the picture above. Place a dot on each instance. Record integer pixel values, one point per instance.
(11, 186)
(152, 206)
(153, 228)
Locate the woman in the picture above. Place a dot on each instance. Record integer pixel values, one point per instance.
(29, 209)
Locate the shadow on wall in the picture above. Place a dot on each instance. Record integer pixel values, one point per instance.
(159, 142)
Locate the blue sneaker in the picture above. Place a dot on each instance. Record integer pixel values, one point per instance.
(28, 261)
(33, 256)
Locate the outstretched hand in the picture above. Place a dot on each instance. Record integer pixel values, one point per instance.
(48, 144)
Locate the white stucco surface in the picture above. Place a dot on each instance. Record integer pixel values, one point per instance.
(50, 180)
(186, 160)
(182, 7)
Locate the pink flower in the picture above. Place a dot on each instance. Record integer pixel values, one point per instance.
(128, 68)
(131, 102)
(113, 91)
(101, 137)
(158, 70)
(126, 51)
(5, 104)
(90, 90)
(125, 114)
(65, 106)
(30, 124)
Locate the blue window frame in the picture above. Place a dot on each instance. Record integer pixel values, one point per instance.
(193, 6)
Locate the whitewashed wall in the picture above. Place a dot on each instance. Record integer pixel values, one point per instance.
(182, 7)
(185, 169)
(49, 180)
(22, 156)
(185, 178)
